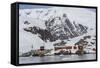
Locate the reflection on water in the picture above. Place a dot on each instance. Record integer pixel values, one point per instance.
(25, 60)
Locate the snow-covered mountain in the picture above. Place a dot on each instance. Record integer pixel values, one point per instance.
(48, 25)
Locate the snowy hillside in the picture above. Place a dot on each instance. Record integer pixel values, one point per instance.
(46, 26)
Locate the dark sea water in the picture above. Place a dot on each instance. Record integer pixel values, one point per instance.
(25, 60)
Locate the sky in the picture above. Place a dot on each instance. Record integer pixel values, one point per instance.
(26, 6)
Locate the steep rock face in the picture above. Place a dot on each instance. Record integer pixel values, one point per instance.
(42, 33)
(63, 28)
(58, 27)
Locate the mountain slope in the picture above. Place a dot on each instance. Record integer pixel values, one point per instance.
(48, 25)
